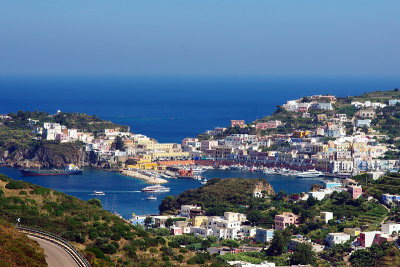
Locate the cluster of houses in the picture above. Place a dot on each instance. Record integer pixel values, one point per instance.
(326, 148)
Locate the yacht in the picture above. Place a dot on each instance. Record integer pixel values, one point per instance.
(156, 188)
(310, 173)
(151, 197)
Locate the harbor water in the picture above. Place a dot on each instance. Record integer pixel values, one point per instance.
(124, 196)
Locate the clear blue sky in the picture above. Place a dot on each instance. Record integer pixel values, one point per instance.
(219, 37)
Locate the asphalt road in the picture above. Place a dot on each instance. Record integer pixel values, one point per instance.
(55, 255)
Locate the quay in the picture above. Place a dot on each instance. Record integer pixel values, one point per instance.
(148, 179)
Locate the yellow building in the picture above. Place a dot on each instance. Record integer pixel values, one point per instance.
(300, 134)
(352, 231)
(342, 147)
(199, 220)
(159, 146)
(170, 154)
(143, 162)
(322, 117)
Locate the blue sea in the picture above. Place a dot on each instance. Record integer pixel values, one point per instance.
(172, 108)
(124, 196)
(167, 109)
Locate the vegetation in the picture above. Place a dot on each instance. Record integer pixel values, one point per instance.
(17, 249)
(214, 197)
(104, 238)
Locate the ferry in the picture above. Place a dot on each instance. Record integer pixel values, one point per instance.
(98, 193)
(310, 173)
(156, 188)
(70, 169)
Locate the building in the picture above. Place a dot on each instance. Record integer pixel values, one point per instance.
(352, 231)
(388, 198)
(325, 216)
(264, 235)
(186, 209)
(355, 191)
(393, 102)
(239, 123)
(366, 239)
(318, 195)
(342, 117)
(366, 113)
(390, 228)
(199, 220)
(284, 220)
(268, 125)
(363, 123)
(337, 238)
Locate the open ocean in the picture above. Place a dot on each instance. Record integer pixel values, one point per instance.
(172, 108)
(167, 109)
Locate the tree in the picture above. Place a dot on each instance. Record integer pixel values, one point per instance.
(278, 244)
(148, 221)
(119, 143)
(254, 217)
(95, 202)
(169, 222)
(303, 255)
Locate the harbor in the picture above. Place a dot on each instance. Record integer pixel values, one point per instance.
(124, 195)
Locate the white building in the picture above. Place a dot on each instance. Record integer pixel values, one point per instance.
(326, 216)
(389, 228)
(185, 209)
(337, 238)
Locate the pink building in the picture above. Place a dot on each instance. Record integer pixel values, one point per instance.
(239, 123)
(176, 231)
(268, 125)
(286, 219)
(62, 137)
(355, 191)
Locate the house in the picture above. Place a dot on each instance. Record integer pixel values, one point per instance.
(268, 125)
(239, 123)
(393, 102)
(337, 238)
(388, 198)
(342, 117)
(363, 123)
(303, 107)
(355, 191)
(352, 231)
(325, 106)
(176, 230)
(389, 228)
(321, 117)
(199, 220)
(186, 209)
(286, 219)
(325, 216)
(305, 115)
(247, 232)
(319, 195)
(366, 113)
(366, 239)
(264, 235)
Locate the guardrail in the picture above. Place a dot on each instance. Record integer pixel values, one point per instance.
(64, 244)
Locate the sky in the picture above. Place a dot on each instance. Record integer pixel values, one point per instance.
(219, 37)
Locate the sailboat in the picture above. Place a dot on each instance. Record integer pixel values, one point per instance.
(151, 197)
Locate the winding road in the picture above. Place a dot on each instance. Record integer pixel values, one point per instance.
(55, 255)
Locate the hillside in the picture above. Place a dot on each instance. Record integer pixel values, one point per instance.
(218, 195)
(103, 238)
(16, 249)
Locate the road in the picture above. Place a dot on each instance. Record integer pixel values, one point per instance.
(55, 255)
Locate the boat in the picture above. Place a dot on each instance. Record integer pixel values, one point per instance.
(310, 173)
(151, 197)
(204, 181)
(70, 169)
(156, 188)
(98, 193)
(197, 170)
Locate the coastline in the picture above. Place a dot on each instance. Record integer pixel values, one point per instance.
(147, 179)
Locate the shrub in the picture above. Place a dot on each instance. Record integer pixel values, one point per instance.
(15, 185)
(109, 249)
(174, 244)
(153, 250)
(97, 252)
(23, 192)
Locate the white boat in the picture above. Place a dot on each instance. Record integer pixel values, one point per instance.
(204, 181)
(98, 193)
(156, 188)
(197, 170)
(152, 197)
(310, 173)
